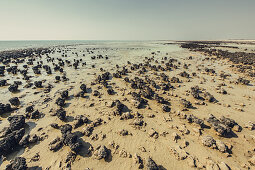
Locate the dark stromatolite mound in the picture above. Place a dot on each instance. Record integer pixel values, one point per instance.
(13, 88)
(29, 109)
(19, 163)
(110, 91)
(207, 96)
(70, 139)
(16, 122)
(186, 103)
(34, 115)
(80, 120)
(3, 83)
(83, 87)
(60, 102)
(243, 81)
(166, 108)
(64, 94)
(151, 165)
(195, 91)
(184, 74)
(61, 114)
(222, 126)
(38, 84)
(193, 119)
(11, 141)
(14, 101)
(4, 108)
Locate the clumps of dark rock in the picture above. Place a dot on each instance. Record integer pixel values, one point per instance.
(56, 144)
(96, 93)
(195, 92)
(19, 163)
(193, 119)
(208, 70)
(243, 81)
(61, 114)
(151, 164)
(222, 91)
(10, 141)
(54, 125)
(14, 101)
(166, 108)
(3, 83)
(4, 108)
(28, 139)
(138, 123)
(64, 94)
(166, 86)
(60, 102)
(29, 109)
(70, 139)
(36, 70)
(110, 91)
(16, 122)
(70, 158)
(83, 87)
(97, 122)
(34, 115)
(102, 79)
(138, 100)
(119, 107)
(12, 134)
(186, 103)
(184, 74)
(38, 84)
(174, 80)
(87, 131)
(101, 152)
(57, 78)
(123, 132)
(80, 120)
(13, 88)
(207, 96)
(222, 126)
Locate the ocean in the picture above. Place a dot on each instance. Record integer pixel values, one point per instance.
(11, 45)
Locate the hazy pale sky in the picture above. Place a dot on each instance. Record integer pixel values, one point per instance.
(126, 19)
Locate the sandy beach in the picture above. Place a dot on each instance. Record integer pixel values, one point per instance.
(129, 105)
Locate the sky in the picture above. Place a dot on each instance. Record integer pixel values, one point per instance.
(127, 19)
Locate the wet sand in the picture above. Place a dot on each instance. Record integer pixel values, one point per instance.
(145, 105)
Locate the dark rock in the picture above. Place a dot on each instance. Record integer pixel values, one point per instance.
(64, 94)
(61, 114)
(38, 84)
(29, 109)
(151, 165)
(83, 87)
(19, 163)
(60, 102)
(14, 101)
(16, 122)
(13, 88)
(4, 108)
